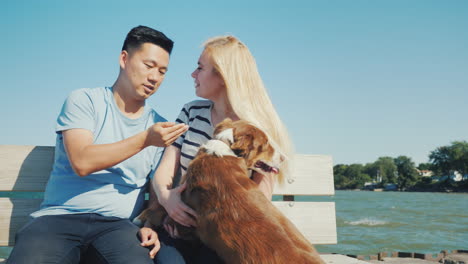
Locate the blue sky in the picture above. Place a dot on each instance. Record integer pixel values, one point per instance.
(353, 79)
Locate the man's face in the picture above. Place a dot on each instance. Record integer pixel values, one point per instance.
(145, 68)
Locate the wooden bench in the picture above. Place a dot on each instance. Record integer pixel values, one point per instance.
(26, 169)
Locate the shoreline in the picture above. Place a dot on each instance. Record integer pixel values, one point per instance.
(421, 186)
(405, 191)
(444, 256)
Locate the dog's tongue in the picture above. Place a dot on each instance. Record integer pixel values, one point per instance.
(266, 168)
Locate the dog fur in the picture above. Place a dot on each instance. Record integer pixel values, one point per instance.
(235, 219)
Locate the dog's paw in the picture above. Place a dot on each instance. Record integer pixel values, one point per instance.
(138, 222)
(140, 219)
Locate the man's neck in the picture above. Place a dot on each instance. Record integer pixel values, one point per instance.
(129, 107)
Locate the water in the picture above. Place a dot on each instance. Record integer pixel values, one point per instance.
(372, 222)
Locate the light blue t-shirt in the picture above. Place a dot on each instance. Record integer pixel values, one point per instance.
(117, 191)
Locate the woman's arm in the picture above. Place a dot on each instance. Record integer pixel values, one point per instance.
(164, 175)
(266, 183)
(167, 197)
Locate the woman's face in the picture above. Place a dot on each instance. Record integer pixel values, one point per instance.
(208, 83)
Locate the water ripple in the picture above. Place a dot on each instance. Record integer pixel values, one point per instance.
(367, 222)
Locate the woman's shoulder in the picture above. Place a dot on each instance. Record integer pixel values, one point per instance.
(194, 109)
(197, 107)
(198, 104)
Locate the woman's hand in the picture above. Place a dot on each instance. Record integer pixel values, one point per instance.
(176, 209)
(150, 238)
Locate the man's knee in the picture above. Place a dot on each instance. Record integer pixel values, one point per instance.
(137, 254)
(39, 248)
(120, 247)
(37, 242)
(33, 236)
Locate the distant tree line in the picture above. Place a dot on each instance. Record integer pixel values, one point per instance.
(403, 172)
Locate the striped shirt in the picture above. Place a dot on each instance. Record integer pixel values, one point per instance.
(197, 115)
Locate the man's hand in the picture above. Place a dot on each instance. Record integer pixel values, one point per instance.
(163, 134)
(150, 238)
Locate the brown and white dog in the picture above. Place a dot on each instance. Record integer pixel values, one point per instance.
(235, 219)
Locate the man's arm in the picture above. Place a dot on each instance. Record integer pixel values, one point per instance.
(86, 157)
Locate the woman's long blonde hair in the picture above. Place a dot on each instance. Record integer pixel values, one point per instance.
(246, 92)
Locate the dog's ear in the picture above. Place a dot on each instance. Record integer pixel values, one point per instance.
(227, 136)
(248, 139)
(227, 122)
(242, 145)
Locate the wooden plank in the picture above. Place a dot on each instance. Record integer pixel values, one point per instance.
(315, 220)
(311, 175)
(25, 168)
(14, 213)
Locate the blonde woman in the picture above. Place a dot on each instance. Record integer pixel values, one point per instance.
(228, 78)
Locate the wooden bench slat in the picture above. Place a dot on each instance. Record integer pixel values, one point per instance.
(25, 168)
(14, 213)
(311, 175)
(315, 220)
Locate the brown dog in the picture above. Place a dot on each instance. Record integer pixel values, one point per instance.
(235, 219)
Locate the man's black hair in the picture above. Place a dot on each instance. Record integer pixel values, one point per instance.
(142, 34)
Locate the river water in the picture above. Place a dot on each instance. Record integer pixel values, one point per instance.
(372, 222)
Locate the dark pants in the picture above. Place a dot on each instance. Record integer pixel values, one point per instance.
(194, 252)
(84, 238)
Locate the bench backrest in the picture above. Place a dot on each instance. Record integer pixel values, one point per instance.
(24, 171)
